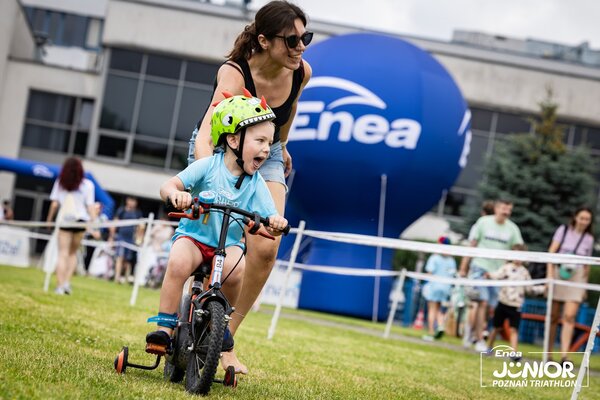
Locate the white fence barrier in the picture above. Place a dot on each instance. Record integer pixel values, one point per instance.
(14, 246)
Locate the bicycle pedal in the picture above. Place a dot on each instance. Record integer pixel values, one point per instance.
(158, 349)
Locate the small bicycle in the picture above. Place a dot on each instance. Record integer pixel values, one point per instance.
(205, 312)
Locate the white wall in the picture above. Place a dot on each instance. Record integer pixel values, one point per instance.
(517, 88)
(92, 8)
(159, 29)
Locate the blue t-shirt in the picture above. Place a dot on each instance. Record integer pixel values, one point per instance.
(441, 266)
(211, 174)
(127, 233)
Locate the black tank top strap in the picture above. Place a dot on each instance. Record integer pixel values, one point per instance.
(232, 64)
(245, 71)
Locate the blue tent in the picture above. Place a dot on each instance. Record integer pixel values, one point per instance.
(50, 171)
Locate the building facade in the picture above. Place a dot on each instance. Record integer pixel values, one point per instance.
(121, 83)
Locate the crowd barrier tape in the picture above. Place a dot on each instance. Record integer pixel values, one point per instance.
(453, 250)
(434, 278)
(352, 238)
(88, 224)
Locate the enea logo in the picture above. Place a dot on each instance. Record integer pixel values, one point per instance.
(42, 171)
(371, 128)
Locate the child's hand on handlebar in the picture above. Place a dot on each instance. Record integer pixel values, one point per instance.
(276, 224)
(180, 200)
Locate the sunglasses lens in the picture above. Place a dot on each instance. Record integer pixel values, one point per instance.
(307, 38)
(292, 41)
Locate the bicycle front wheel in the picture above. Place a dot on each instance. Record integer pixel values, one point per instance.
(204, 360)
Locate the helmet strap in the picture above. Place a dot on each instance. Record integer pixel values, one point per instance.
(240, 161)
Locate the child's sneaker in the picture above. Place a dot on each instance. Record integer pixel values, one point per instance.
(439, 334)
(427, 338)
(481, 346)
(59, 290)
(158, 342)
(67, 288)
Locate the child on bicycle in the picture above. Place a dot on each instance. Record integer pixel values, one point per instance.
(242, 126)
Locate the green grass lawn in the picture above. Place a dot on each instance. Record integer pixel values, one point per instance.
(63, 347)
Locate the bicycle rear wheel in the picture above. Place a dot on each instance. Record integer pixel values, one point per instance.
(204, 359)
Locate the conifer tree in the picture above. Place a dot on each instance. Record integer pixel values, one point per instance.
(546, 181)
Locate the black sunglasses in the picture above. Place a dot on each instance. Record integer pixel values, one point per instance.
(293, 41)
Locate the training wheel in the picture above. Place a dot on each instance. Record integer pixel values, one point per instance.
(230, 378)
(121, 360)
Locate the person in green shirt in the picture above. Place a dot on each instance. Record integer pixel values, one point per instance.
(496, 232)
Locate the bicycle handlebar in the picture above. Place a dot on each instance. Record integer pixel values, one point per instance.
(250, 219)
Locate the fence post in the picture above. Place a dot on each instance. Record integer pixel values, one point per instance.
(142, 260)
(399, 289)
(585, 363)
(547, 321)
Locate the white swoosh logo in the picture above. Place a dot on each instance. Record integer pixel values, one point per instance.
(361, 95)
(42, 170)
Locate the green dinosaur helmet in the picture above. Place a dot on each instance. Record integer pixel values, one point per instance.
(236, 112)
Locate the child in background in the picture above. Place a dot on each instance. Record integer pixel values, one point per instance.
(511, 298)
(435, 293)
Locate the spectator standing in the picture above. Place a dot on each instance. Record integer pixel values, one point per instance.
(575, 238)
(74, 196)
(495, 232)
(125, 256)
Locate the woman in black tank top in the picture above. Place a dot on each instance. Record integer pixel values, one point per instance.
(267, 60)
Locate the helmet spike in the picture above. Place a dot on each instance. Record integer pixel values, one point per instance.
(263, 102)
(226, 94)
(247, 92)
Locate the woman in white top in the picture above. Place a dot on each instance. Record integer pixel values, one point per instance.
(74, 196)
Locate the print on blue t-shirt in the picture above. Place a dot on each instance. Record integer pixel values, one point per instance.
(211, 174)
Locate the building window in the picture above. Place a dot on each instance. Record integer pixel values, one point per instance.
(57, 122)
(65, 29)
(481, 119)
(151, 104)
(471, 175)
(512, 123)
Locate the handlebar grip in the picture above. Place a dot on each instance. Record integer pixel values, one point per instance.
(286, 230)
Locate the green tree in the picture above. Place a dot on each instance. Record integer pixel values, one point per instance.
(545, 180)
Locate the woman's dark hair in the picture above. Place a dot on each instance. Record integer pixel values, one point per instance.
(271, 19)
(71, 174)
(487, 207)
(590, 228)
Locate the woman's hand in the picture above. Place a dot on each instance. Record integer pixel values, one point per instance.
(287, 161)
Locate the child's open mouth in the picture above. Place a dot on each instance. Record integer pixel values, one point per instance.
(258, 161)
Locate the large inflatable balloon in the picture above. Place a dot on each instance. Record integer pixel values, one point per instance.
(381, 131)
